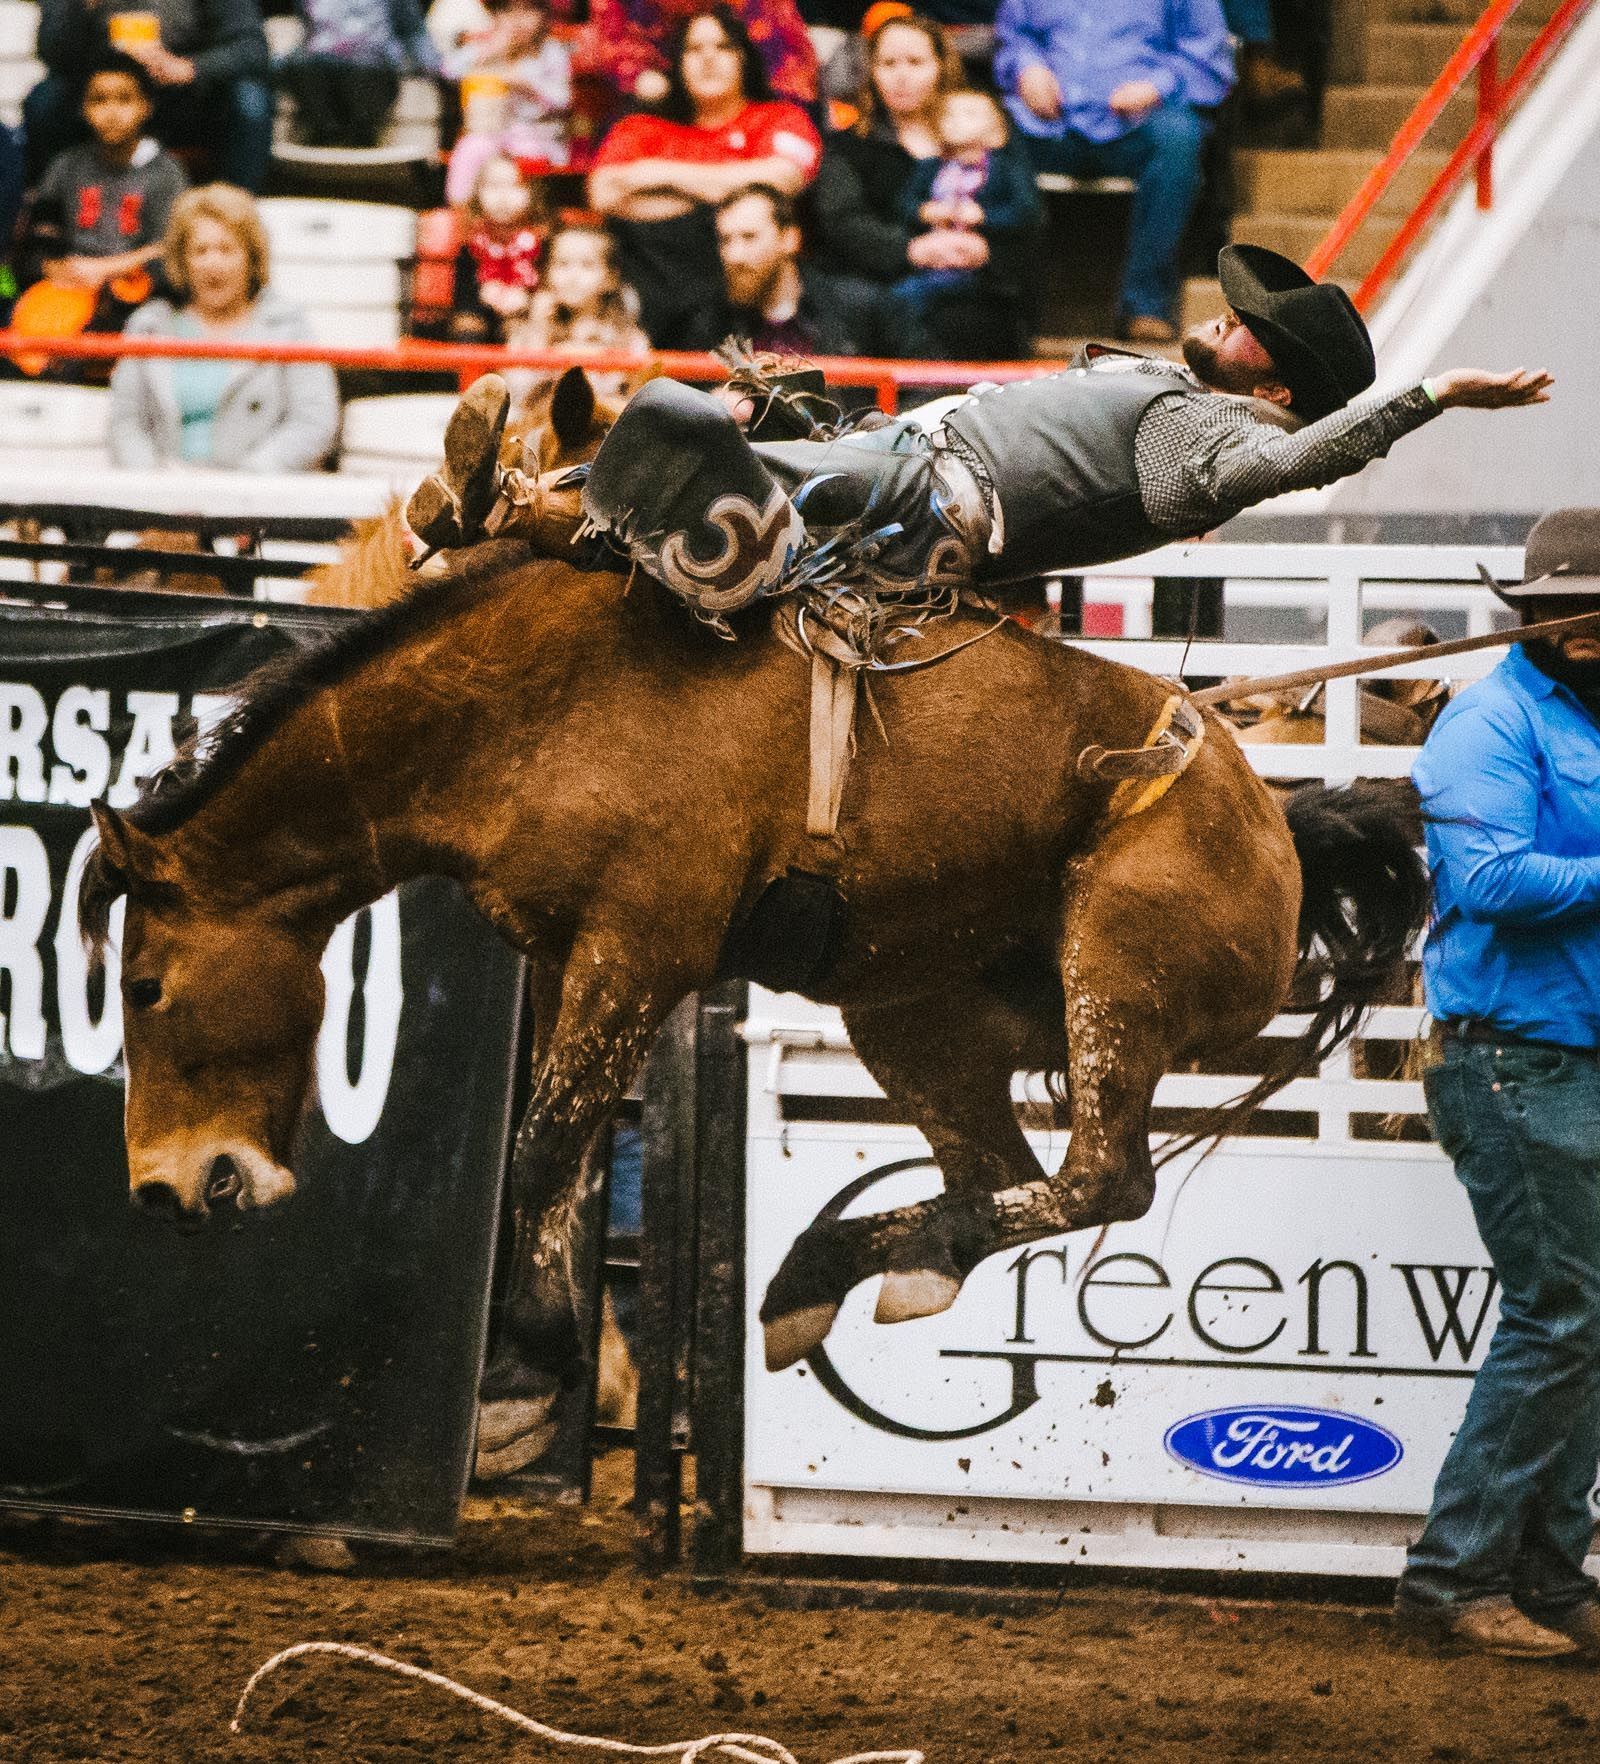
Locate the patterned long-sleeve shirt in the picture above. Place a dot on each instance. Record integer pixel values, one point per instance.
(1202, 459)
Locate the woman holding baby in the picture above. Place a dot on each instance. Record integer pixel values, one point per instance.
(954, 263)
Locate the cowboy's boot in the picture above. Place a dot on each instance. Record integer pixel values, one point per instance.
(676, 486)
(545, 510)
(449, 506)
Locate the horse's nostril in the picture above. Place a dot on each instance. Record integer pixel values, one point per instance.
(158, 1198)
(224, 1183)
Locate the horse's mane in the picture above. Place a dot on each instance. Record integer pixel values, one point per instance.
(267, 697)
(264, 701)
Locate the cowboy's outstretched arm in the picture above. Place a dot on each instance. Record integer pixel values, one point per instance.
(1218, 459)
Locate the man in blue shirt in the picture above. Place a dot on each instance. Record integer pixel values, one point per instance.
(1510, 784)
(1122, 89)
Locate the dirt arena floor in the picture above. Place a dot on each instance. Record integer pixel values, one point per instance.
(130, 1648)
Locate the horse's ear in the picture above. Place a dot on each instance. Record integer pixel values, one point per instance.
(126, 849)
(572, 408)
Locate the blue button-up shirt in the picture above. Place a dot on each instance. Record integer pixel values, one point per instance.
(1093, 46)
(1510, 783)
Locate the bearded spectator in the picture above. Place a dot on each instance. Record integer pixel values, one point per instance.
(773, 300)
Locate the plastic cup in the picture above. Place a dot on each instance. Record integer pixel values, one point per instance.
(483, 102)
(128, 30)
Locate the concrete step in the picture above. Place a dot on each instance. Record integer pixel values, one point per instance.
(1369, 116)
(1413, 54)
(1321, 181)
(1298, 235)
(1460, 13)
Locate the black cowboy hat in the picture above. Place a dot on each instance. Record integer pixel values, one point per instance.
(1562, 560)
(1311, 329)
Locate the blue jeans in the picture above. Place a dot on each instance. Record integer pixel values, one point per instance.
(1511, 1510)
(921, 293)
(1162, 156)
(1249, 20)
(232, 120)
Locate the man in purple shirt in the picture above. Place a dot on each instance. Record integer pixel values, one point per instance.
(1122, 89)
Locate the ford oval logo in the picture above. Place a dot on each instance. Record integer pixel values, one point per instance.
(1283, 1447)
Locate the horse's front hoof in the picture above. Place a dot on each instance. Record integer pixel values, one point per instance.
(915, 1292)
(512, 1435)
(792, 1337)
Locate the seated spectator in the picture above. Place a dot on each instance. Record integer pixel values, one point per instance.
(345, 76)
(773, 300)
(974, 186)
(659, 178)
(208, 66)
(1122, 89)
(869, 237)
(524, 97)
(583, 304)
(503, 230)
(627, 44)
(100, 214)
(248, 416)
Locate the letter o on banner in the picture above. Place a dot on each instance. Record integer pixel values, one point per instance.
(352, 1106)
(90, 1044)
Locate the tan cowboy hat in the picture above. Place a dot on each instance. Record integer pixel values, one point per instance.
(1562, 561)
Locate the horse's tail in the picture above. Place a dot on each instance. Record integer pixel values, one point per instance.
(1364, 898)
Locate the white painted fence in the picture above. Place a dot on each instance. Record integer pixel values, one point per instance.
(1330, 1269)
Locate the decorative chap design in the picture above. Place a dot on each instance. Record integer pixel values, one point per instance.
(1283, 1446)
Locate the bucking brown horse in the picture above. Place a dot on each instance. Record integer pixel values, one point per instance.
(614, 787)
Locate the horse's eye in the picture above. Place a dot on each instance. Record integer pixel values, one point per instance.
(144, 993)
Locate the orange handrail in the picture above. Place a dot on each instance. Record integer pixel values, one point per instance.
(1478, 49)
(468, 360)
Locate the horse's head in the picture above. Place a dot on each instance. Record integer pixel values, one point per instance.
(565, 419)
(221, 1007)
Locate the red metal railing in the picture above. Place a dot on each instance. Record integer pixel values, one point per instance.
(468, 360)
(1479, 49)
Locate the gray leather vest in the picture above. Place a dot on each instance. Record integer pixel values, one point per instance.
(1060, 450)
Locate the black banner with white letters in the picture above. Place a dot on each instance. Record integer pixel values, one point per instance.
(312, 1365)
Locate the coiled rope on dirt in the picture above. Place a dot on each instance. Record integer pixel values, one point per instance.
(748, 1748)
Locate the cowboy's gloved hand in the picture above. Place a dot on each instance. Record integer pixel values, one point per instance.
(1474, 389)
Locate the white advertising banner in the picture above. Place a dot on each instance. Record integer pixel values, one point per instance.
(1264, 1372)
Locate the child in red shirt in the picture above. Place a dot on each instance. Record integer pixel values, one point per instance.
(503, 230)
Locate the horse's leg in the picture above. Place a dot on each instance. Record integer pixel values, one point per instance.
(1170, 944)
(593, 1024)
(946, 1063)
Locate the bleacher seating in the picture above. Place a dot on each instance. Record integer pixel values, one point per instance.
(54, 426)
(342, 262)
(409, 143)
(20, 68)
(397, 437)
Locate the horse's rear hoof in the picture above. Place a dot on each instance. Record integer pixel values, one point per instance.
(915, 1292)
(790, 1338)
(512, 1435)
